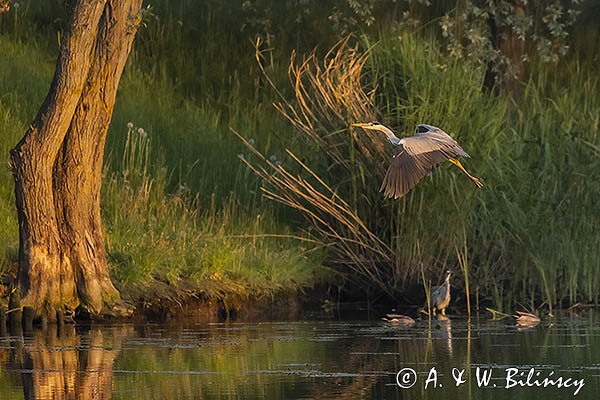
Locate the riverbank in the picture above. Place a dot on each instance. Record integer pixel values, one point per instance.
(168, 236)
(185, 217)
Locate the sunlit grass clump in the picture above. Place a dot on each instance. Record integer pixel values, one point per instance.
(165, 244)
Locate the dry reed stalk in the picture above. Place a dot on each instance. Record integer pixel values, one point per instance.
(328, 97)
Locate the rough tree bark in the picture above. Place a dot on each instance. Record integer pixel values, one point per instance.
(57, 166)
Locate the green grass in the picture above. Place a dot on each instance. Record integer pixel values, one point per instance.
(219, 251)
(531, 235)
(187, 220)
(192, 216)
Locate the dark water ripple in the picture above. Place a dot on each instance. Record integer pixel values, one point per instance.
(299, 360)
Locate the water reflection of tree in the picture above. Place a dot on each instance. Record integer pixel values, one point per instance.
(62, 364)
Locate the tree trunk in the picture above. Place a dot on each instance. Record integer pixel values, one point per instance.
(81, 369)
(510, 46)
(79, 170)
(58, 164)
(513, 47)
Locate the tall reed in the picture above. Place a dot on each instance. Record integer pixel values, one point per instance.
(532, 233)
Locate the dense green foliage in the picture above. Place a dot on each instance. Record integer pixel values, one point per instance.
(188, 219)
(530, 234)
(186, 212)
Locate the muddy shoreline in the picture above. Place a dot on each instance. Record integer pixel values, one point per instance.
(316, 303)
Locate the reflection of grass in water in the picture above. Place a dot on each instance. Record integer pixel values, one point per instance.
(245, 351)
(233, 360)
(257, 350)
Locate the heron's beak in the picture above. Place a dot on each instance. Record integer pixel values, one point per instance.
(365, 126)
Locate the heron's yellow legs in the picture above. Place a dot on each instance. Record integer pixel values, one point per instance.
(475, 180)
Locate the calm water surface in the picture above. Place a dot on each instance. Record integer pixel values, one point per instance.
(299, 360)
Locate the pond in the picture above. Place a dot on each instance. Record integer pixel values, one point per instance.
(314, 359)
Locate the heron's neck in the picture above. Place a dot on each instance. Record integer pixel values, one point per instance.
(390, 136)
(395, 141)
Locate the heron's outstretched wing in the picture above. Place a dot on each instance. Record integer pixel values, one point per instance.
(433, 139)
(402, 175)
(416, 157)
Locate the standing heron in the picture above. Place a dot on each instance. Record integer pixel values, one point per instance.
(416, 156)
(440, 296)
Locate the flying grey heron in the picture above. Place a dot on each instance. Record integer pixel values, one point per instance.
(440, 295)
(416, 156)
